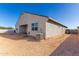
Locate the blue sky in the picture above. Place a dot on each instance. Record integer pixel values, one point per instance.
(67, 14)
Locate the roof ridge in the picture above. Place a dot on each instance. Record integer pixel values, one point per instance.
(47, 17)
(34, 14)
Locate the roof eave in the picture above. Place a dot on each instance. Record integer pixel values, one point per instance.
(57, 22)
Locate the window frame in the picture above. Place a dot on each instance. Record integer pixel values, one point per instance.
(34, 26)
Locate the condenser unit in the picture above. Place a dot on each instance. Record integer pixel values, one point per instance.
(39, 36)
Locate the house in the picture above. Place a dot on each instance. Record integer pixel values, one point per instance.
(71, 31)
(34, 24)
(78, 29)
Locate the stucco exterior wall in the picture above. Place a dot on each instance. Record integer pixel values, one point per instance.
(29, 19)
(54, 30)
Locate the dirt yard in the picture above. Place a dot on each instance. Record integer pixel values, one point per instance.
(19, 45)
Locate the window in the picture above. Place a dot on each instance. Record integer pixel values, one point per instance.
(34, 26)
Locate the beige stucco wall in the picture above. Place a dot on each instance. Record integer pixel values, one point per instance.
(54, 30)
(29, 19)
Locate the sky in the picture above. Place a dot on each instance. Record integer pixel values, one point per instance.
(67, 14)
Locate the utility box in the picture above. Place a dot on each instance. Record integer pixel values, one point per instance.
(39, 36)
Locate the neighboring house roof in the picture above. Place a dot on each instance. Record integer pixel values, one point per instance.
(49, 19)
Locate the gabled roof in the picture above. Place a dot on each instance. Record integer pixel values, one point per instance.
(49, 19)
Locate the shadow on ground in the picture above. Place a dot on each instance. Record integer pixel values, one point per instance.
(12, 35)
(70, 47)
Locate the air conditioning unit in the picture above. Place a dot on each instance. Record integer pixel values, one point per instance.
(39, 36)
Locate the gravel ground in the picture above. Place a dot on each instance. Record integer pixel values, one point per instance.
(69, 47)
(18, 45)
